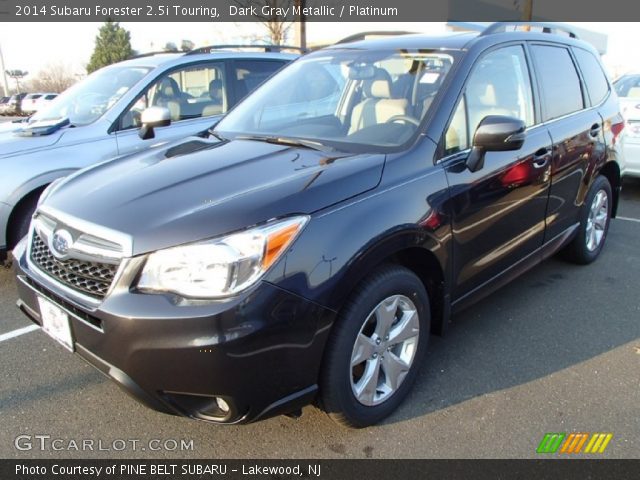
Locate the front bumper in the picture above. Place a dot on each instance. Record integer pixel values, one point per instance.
(260, 352)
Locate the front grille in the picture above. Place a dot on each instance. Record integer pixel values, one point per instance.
(96, 322)
(90, 278)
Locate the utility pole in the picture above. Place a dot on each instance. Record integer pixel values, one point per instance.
(301, 27)
(527, 11)
(5, 82)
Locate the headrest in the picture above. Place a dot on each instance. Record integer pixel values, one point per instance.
(379, 86)
(482, 94)
(217, 84)
(169, 87)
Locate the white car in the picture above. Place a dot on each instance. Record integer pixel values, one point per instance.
(43, 101)
(33, 102)
(628, 89)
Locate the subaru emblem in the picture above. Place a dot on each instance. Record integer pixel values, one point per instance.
(60, 243)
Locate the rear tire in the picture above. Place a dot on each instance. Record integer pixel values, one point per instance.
(595, 217)
(376, 346)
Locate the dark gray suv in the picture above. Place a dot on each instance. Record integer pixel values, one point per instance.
(305, 248)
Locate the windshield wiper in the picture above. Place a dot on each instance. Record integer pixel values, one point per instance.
(212, 132)
(293, 142)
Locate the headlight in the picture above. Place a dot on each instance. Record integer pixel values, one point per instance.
(220, 267)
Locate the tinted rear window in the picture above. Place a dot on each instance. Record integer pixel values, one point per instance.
(594, 76)
(559, 80)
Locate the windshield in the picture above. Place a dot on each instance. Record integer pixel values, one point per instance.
(89, 99)
(628, 86)
(352, 99)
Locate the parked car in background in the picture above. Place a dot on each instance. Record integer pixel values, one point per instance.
(99, 118)
(293, 255)
(45, 99)
(34, 101)
(4, 103)
(628, 89)
(14, 106)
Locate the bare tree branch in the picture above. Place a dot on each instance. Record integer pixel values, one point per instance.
(55, 78)
(277, 26)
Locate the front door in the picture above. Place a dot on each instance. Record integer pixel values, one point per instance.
(497, 212)
(195, 95)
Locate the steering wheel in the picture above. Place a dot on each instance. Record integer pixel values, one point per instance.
(404, 118)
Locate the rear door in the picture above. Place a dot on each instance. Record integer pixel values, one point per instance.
(249, 74)
(576, 131)
(498, 211)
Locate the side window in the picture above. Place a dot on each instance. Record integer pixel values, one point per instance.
(499, 85)
(192, 92)
(249, 74)
(457, 137)
(559, 80)
(594, 76)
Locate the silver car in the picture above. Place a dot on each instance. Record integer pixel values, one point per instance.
(99, 118)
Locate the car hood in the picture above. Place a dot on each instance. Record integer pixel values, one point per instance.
(196, 189)
(12, 143)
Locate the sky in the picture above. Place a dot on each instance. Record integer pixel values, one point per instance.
(71, 44)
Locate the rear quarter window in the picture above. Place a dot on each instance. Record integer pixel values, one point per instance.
(560, 83)
(594, 76)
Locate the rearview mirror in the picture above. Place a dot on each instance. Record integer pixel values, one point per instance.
(151, 118)
(495, 133)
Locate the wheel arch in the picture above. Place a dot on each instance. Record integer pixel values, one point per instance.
(611, 170)
(24, 194)
(414, 251)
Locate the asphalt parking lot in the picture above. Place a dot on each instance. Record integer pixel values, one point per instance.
(558, 350)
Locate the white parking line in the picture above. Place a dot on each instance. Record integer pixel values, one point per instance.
(18, 332)
(627, 219)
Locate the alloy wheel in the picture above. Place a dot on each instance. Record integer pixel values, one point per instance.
(597, 220)
(384, 350)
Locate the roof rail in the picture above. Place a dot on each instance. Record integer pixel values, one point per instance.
(265, 48)
(151, 54)
(546, 28)
(363, 36)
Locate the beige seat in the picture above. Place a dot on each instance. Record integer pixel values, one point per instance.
(216, 106)
(634, 92)
(378, 106)
(169, 95)
(482, 101)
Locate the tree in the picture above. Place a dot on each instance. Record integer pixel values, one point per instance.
(277, 26)
(187, 45)
(170, 47)
(55, 77)
(113, 44)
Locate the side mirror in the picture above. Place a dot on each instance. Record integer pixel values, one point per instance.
(151, 118)
(495, 133)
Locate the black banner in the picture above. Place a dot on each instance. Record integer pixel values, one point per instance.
(317, 10)
(320, 469)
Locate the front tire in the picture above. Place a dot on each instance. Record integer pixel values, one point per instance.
(375, 349)
(595, 217)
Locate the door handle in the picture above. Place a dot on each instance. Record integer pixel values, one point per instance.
(541, 158)
(595, 130)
